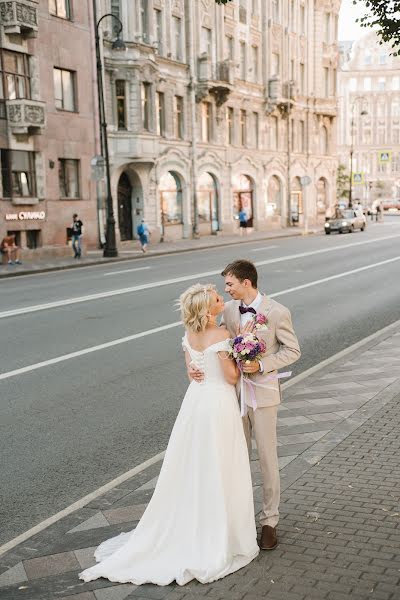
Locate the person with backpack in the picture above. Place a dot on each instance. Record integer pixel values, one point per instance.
(143, 232)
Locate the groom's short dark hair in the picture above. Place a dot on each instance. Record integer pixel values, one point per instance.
(242, 269)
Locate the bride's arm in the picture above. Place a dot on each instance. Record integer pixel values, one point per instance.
(229, 368)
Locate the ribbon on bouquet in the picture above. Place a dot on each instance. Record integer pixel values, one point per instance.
(247, 383)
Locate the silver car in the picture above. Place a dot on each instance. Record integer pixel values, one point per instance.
(346, 221)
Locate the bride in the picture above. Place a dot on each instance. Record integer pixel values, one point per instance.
(199, 523)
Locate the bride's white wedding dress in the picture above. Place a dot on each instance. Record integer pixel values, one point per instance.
(199, 523)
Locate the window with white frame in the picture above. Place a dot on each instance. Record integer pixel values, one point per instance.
(327, 28)
(159, 30)
(254, 51)
(177, 38)
(60, 8)
(146, 105)
(68, 176)
(229, 125)
(367, 84)
(144, 20)
(326, 82)
(302, 19)
(276, 11)
(275, 64)
(229, 47)
(242, 47)
(160, 113)
(205, 41)
(243, 127)
(178, 117)
(120, 96)
(206, 123)
(64, 89)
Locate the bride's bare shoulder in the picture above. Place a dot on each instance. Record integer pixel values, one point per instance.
(221, 334)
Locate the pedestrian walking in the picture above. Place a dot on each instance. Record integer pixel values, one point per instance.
(242, 221)
(143, 232)
(77, 232)
(378, 212)
(9, 247)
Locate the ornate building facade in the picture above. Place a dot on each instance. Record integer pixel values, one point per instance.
(212, 109)
(48, 122)
(369, 100)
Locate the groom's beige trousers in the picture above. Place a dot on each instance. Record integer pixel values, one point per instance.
(263, 423)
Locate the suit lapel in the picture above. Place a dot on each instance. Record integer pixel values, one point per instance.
(265, 306)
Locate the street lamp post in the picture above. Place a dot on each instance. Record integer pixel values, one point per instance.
(352, 124)
(110, 246)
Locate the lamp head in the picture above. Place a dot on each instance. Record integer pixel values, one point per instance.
(119, 44)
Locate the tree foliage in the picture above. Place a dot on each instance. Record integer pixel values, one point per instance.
(342, 182)
(384, 16)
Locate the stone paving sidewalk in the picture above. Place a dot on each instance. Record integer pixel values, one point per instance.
(339, 532)
(131, 251)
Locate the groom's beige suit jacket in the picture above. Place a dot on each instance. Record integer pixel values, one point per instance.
(282, 346)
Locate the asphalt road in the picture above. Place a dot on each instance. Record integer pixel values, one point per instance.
(66, 428)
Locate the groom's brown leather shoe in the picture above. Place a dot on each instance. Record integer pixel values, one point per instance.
(268, 540)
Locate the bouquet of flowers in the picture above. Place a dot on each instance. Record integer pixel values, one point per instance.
(246, 348)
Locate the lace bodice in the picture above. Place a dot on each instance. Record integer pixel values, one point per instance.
(208, 361)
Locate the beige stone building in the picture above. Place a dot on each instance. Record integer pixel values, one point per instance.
(369, 96)
(197, 110)
(48, 122)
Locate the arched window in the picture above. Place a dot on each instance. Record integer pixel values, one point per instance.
(171, 198)
(274, 196)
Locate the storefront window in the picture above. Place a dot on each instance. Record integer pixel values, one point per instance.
(207, 200)
(171, 198)
(18, 174)
(243, 197)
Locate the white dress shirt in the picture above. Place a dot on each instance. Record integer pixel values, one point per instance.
(249, 315)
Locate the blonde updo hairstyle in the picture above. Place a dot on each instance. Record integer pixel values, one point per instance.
(195, 305)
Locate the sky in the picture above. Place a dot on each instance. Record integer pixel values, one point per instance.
(348, 28)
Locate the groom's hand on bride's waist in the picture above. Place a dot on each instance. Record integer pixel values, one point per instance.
(195, 373)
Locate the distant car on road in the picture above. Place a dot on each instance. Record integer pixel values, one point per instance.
(346, 221)
(391, 206)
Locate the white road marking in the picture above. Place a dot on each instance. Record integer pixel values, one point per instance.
(162, 283)
(151, 461)
(265, 248)
(64, 357)
(125, 271)
(129, 338)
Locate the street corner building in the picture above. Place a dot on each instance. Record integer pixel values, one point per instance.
(369, 124)
(47, 123)
(210, 109)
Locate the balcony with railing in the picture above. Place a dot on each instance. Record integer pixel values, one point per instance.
(26, 117)
(215, 78)
(19, 17)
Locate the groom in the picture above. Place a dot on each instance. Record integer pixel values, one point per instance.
(282, 349)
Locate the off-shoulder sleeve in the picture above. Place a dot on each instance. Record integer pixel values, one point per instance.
(223, 346)
(185, 344)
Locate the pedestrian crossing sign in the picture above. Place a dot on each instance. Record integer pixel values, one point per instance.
(358, 178)
(385, 156)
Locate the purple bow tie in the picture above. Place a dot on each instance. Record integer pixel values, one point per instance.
(246, 309)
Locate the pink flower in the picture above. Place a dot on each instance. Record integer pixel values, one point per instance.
(261, 319)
